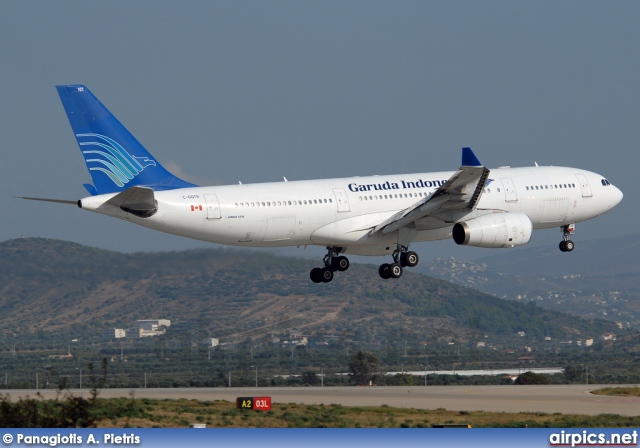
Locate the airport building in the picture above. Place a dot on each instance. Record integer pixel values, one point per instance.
(151, 327)
(211, 342)
(115, 333)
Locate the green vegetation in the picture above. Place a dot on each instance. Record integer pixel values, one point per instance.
(132, 412)
(54, 286)
(69, 412)
(363, 366)
(57, 298)
(619, 391)
(532, 378)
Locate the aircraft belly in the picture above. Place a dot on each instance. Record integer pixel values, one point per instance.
(354, 230)
(370, 251)
(240, 229)
(279, 228)
(443, 233)
(430, 223)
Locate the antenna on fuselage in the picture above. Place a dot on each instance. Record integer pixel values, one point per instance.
(285, 179)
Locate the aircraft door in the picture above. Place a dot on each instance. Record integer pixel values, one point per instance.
(510, 193)
(342, 200)
(584, 185)
(213, 206)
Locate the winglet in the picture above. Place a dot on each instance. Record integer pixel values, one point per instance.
(469, 158)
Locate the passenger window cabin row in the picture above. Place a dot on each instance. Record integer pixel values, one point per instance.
(283, 203)
(552, 187)
(375, 197)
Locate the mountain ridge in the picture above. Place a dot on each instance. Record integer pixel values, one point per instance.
(55, 286)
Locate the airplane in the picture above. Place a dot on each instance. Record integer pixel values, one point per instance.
(370, 216)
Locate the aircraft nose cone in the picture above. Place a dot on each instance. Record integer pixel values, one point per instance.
(616, 195)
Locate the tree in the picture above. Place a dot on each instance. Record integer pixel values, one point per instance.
(309, 377)
(399, 379)
(362, 366)
(572, 373)
(532, 378)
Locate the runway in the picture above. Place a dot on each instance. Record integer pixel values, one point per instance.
(566, 399)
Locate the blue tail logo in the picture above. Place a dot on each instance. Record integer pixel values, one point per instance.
(112, 159)
(103, 139)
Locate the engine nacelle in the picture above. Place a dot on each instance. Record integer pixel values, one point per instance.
(494, 230)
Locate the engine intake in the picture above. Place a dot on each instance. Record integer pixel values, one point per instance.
(494, 230)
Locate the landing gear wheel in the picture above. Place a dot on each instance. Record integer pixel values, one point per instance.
(326, 275)
(340, 264)
(395, 270)
(316, 275)
(384, 271)
(409, 259)
(566, 246)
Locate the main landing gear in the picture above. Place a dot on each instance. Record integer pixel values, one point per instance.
(332, 262)
(401, 259)
(566, 245)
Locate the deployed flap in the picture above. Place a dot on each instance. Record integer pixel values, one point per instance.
(138, 201)
(462, 190)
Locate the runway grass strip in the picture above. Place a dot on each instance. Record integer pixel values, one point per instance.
(219, 414)
(619, 391)
(134, 412)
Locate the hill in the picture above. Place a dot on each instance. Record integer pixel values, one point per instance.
(56, 287)
(599, 279)
(603, 257)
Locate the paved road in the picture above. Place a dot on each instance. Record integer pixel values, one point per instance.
(566, 399)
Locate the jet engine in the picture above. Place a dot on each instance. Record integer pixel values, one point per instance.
(494, 230)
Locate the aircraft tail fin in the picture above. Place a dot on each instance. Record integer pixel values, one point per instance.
(115, 159)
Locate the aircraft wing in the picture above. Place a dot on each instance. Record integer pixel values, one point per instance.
(461, 191)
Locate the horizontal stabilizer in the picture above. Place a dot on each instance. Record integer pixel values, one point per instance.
(59, 201)
(139, 201)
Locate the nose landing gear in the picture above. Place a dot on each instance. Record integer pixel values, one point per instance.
(332, 262)
(566, 245)
(401, 259)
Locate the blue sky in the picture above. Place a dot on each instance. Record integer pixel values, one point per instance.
(251, 91)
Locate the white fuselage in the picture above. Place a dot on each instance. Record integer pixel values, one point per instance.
(343, 212)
